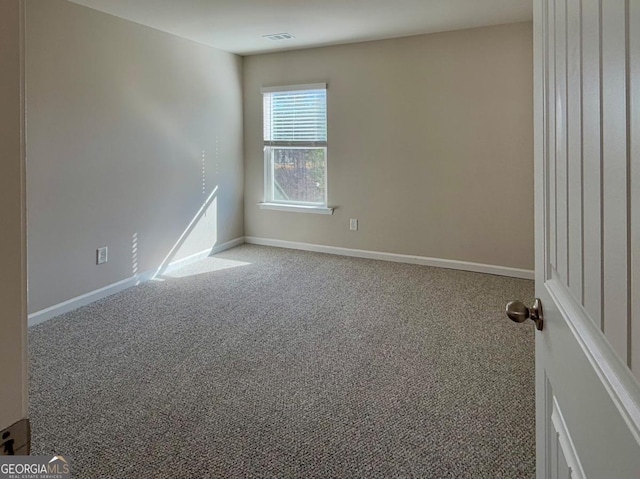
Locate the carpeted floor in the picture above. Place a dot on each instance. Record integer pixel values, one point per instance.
(262, 363)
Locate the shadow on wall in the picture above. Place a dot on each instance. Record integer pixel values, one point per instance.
(195, 243)
(201, 230)
(203, 225)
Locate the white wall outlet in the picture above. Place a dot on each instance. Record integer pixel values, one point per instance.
(102, 255)
(353, 224)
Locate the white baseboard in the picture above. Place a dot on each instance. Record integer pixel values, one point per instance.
(398, 258)
(74, 303)
(184, 262)
(201, 255)
(228, 245)
(87, 298)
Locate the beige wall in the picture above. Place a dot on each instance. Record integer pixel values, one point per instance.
(129, 132)
(430, 145)
(13, 321)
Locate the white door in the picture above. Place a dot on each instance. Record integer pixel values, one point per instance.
(587, 142)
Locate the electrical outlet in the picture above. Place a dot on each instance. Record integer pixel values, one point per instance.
(102, 255)
(353, 224)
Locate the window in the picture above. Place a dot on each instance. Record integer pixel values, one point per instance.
(295, 145)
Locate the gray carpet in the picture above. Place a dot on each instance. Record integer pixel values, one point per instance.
(262, 362)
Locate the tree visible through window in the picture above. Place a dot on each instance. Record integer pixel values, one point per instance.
(295, 144)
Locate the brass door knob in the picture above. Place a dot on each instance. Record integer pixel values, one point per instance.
(518, 312)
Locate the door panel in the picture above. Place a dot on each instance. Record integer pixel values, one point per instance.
(591, 156)
(579, 375)
(560, 160)
(634, 169)
(587, 237)
(550, 134)
(614, 194)
(574, 149)
(560, 446)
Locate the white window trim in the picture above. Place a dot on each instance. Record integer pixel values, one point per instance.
(307, 86)
(293, 206)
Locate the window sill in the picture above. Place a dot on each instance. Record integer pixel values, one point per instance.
(318, 210)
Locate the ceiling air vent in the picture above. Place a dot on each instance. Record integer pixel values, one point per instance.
(278, 36)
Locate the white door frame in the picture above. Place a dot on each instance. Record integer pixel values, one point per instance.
(13, 293)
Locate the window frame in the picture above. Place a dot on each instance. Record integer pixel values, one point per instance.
(269, 200)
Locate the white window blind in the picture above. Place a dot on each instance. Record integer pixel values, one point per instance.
(296, 117)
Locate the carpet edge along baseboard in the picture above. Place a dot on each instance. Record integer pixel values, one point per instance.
(113, 288)
(87, 298)
(399, 258)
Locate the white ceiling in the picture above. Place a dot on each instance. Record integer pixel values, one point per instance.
(238, 25)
